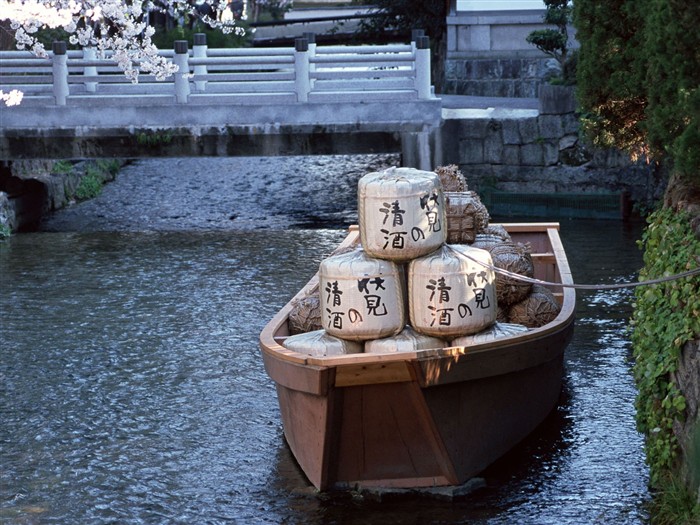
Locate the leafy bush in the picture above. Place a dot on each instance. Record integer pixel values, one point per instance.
(638, 79)
(90, 185)
(110, 166)
(62, 167)
(554, 42)
(666, 316)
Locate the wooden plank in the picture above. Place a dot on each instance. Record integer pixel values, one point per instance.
(297, 376)
(373, 373)
(530, 226)
(387, 437)
(480, 420)
(547, 257)
(305, 419)
(470, 364)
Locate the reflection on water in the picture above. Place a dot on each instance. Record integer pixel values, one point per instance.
(132, 389)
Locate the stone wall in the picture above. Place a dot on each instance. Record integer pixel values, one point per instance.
(498, 76)
(29, 189)
(488, 54)
(530, 151)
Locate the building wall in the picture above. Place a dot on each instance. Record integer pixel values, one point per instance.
(487, 51)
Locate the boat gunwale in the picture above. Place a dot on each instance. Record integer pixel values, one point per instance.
(270, 345)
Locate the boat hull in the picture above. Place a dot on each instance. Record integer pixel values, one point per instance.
(424, 419)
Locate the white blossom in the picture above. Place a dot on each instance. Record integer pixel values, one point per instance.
(13, 98)
(119, 26)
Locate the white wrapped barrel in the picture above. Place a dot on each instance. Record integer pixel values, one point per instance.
(452, 292)
(321, 344)
(362, 297)
(495, 331)
(401, 213)
(407, 341)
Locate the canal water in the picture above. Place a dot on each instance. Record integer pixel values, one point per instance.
(132, 389)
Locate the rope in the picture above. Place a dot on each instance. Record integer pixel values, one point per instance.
(532, 280)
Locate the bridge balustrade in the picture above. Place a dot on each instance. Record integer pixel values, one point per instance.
(305, 73)
(301, 100)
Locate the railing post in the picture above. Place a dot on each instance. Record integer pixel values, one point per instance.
(90, 71)
(311, 37)
(199, 50)
(301, 69)
(415, 34)
(59, 69)
(182, 81)
(422, 81)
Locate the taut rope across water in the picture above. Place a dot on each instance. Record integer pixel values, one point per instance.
(617, 286)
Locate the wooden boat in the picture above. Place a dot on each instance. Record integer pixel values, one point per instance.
(427, 418)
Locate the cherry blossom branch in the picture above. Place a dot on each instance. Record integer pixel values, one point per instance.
(120, 26)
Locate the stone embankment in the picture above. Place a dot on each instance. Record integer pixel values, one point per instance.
(29, 190)
(542, 151)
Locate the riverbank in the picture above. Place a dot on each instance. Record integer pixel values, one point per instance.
(32, 190)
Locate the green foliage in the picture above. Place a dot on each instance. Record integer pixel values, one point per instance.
(165, 39)
(90, 185)
(5, 232)
(63, 167)
(554, 42)
(47, 36)
(110, 166)
(154, 138)
(611, 72)
(666, 316)
(638, 78)
(673, 80)
(674, 505)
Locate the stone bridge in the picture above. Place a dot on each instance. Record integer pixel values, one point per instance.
(225, 102)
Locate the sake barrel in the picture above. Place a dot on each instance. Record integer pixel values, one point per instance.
(407, 341)
(466, 216)
(401, 213)
(321, 344)
(361, 297)
(452, 292)
(495, 331)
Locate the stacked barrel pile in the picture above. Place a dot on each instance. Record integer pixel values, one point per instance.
(422, 277)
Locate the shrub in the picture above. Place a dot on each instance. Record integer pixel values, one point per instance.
(666, 316)
(554, 42)
(62, 167)
(90, 185)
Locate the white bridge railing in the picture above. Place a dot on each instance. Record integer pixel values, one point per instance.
(304, 74)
